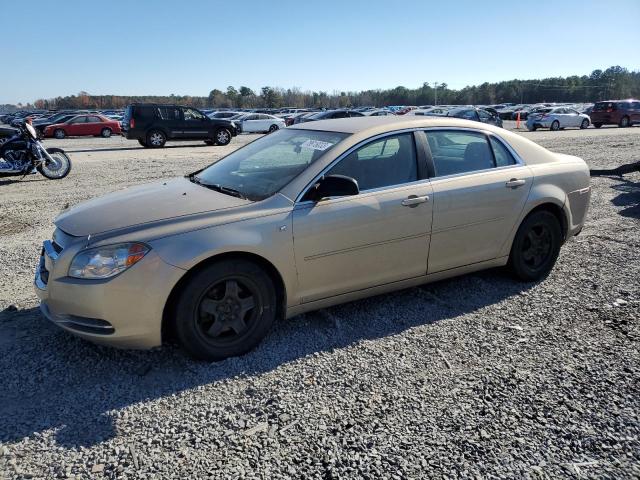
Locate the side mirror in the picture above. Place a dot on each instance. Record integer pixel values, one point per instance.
(333, 186)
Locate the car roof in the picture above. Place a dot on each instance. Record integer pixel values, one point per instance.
(383, 124)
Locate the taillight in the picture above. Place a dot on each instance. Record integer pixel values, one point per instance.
(132, 123)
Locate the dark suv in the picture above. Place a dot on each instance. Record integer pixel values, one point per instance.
(623, 113)
(153, 124)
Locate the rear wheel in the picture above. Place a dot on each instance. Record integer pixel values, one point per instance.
(536, 246)
(143, 143)
(105, 133)
(555, 125)
(273, 128)
(225, 310)
(222, 136)
(59, 133)
(584, 124)
(210, 142)
(156, 139)
(624, 122)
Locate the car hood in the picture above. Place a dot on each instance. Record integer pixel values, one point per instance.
(143, 204)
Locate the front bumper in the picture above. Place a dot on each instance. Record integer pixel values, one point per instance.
(124, 311)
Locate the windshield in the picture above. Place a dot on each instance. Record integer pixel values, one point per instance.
(263, 167)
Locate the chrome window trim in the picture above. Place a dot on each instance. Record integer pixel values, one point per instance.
(487, 133)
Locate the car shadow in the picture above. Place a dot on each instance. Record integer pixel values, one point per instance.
(121, 149)
(19, 179)
(630, 190)
(77, 389)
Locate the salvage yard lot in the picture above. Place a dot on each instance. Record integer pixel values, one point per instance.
(475, 376)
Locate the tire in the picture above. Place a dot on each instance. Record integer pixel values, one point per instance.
(597, 125)
(59, 133)
(533, 128)
(61, 169)
(105, 133)
(536, 246)
(624, 122)
(584, 124)
(555, 126)
(143, 143)
(225, 310)
(273, 128)
(222, 137)
(156, 139)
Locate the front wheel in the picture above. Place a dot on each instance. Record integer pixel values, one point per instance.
(597, 125)
(58, 168)
(222, 136)
(555, 125)
(584, 124)
(536, 246)
(225, 310)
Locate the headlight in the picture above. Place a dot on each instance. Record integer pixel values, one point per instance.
(105, 262)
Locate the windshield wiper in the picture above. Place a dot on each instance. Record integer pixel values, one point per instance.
(217, 187)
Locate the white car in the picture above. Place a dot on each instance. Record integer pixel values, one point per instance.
(259, 122)
(555, 118)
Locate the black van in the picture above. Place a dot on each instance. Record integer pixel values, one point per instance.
(152, 124)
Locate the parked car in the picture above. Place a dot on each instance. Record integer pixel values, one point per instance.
(6, 133)
(84, 125)
(331, 114)
(623, 113)
(308, 217)
(259, 122)
(152, 124)
(377, 113)
(226, 114)
(431, 111)
(475, 114)
(556, 118)
(42, 124)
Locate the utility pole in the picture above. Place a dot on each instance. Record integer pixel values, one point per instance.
(435, 89)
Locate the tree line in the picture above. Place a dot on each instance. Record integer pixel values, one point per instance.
(613, 83)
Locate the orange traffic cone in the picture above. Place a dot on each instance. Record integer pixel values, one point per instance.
(518, 121)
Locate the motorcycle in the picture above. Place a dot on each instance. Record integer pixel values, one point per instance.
(23, 154)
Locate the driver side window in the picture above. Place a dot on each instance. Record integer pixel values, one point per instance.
(382, 163)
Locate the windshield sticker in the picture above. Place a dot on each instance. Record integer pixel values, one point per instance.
(317, 145)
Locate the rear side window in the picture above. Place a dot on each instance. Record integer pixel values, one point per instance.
(502, 156)
(456, 152)
(145, 113)
(604, 106)
(168, 113)
(624, 105)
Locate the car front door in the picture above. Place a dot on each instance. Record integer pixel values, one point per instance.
(76, 126)
(251, 123)
(379, 236)
(195, 126)
(479, 191)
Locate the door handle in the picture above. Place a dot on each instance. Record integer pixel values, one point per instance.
(515, 183)
(414, 201)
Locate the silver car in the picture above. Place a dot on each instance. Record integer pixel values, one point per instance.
(304, 218)
(557, 118)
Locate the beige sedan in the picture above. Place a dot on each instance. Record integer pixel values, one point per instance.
(307, 217)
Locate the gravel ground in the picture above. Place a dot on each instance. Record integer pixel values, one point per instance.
(476, 377)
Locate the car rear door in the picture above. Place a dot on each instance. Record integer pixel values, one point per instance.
(93, 126)
(379, 236)
(479, 190)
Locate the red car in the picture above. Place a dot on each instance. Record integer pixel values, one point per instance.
(90, 124)
(623, 113)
